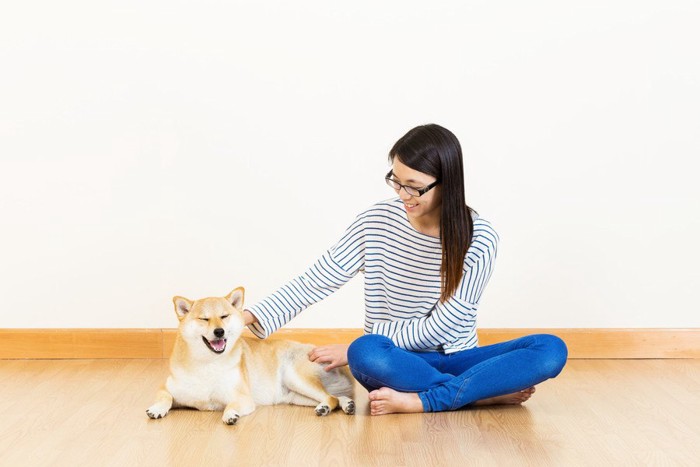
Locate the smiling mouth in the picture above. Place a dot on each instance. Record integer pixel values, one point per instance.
(216, 346)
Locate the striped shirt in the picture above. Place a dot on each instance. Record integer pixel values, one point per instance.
(401, 269)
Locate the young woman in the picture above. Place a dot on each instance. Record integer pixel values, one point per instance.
(426, 258)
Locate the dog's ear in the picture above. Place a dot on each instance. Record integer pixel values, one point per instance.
(236, 297)
(182, 306)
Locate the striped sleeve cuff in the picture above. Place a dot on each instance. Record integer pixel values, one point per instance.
(262, 328)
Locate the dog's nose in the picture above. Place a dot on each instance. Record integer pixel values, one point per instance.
(219, 332)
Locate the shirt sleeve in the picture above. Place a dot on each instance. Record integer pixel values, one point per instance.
(449, 324)
(330, 272)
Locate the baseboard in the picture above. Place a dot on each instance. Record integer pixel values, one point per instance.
(158, 343)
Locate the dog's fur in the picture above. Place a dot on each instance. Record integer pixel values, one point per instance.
(213, 367)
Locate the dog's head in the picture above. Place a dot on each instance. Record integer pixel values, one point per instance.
(213, 323)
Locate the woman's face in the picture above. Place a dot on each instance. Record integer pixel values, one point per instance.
(421, 208)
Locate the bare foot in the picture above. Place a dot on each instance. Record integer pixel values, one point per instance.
(385, 401)
(509, 399)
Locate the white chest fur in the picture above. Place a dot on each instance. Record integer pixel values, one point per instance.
(207, 387)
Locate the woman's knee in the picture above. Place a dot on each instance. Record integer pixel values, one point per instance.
(367, 348)
(369, 353)
(368, 360)
(555, 354)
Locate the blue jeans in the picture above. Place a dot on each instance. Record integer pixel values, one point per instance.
(451, 381)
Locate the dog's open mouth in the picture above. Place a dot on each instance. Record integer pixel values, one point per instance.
(216, 346)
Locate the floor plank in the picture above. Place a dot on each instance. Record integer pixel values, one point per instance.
(597, 412)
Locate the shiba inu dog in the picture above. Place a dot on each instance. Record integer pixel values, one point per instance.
(213, 367)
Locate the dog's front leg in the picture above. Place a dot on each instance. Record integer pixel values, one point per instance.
(164, 401)
(241, 404)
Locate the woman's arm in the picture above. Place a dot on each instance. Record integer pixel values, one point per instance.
(448, 324)
(330, 272)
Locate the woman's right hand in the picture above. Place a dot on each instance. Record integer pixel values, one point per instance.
(249, 318)
(335, 355)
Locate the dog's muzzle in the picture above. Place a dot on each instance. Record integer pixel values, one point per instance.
(216, 346)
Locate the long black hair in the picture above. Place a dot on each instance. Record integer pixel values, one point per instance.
(435, 151)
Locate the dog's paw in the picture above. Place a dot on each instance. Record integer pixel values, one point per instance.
(232, 420)
(322, 410)
(156, 412)
(231, 417)
(349, 408)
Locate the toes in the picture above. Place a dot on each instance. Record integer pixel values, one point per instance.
(323, 410)
(376, 408)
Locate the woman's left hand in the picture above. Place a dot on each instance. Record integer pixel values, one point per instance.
(334, 354)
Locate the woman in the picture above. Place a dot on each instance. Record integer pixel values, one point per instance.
(426, 257)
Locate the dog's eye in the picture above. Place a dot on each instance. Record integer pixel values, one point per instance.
(204, 319)
(225, 316)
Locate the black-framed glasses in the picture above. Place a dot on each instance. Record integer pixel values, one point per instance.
(411, 190)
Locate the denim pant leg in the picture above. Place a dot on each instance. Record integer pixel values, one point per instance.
(496, 370)
(376, 362)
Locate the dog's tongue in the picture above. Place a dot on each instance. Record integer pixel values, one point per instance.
(218, 344)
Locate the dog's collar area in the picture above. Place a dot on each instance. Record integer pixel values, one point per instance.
(216, 346)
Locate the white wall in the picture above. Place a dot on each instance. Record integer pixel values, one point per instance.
(153, 148)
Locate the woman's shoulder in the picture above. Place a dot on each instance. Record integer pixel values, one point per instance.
(483, 225)
(484, 231)
(385, 208)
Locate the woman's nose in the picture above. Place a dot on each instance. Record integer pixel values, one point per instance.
(403, 195)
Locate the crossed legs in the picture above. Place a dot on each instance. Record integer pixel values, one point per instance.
(405, 381)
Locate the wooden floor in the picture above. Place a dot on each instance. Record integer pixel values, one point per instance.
(597, 412)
